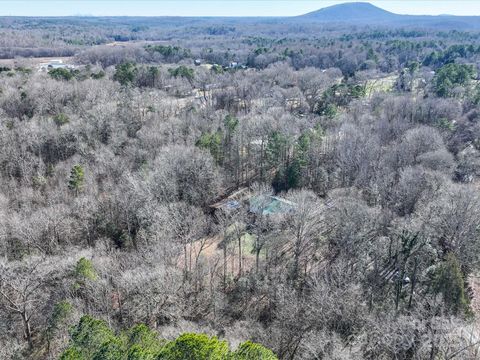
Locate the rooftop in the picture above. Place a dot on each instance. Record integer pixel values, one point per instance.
(269, 205)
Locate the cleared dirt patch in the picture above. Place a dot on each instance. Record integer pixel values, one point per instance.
(33, 62)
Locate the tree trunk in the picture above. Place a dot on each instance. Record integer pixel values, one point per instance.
(224, 267)
(185, 266)
(27, 330)
(239, 256)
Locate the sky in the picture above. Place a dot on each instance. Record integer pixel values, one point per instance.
(221, 7)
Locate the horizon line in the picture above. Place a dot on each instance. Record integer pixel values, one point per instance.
(169, 13)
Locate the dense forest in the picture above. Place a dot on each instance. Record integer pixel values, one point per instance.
(234, 190)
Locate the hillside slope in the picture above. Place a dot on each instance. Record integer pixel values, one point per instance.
(361, 13)
(355, 11)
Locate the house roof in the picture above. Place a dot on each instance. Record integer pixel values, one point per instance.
(269, 205)
(232, 201)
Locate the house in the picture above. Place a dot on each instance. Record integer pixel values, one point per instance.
(264, 204)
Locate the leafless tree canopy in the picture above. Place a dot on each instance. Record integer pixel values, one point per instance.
(308, 187)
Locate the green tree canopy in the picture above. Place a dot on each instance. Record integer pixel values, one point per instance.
(125, 73)
(92, 339)
(76, 180)
(61, 119)
(213, 143)
(85, 270)
(451, 76)
(448, 281)
(88, 338)
(183, 71)
(252, 351)
(195, 347)
(61, 74)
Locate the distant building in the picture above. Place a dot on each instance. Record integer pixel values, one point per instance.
(234, 65)
(54, 64)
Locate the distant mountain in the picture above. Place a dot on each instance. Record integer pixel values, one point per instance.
(362, 13)
(355, 11)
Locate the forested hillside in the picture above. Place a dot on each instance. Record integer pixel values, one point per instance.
(230, 189)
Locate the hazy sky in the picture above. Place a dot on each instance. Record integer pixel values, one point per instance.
(221, 7)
